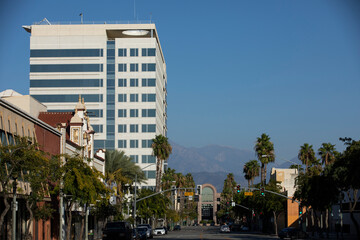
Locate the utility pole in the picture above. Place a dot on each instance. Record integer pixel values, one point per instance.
(135, 201)
(87, 222)
(61, 210)
(135, 193)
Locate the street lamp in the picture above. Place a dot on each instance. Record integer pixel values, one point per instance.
(135, 192)
(298, 168)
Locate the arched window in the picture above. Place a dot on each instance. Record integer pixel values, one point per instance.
(207, 194)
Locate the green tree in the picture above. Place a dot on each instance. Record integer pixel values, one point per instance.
(228, 191)
(264, 150)
(120, 172)
(154, 207)
(345, 171)
(25, 162)
(307, 155)
(161, 150)
(82, 184)
(251, 170)
(274, 203)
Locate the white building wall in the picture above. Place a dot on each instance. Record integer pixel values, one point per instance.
(96, 37)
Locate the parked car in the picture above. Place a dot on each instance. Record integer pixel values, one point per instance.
(149, 231)
(142, 232)
(135, 234)
(166, 229)
(224, 229)
(293, 233)
(159, 231)
(117, 230)
(244, 228)
(177, 227)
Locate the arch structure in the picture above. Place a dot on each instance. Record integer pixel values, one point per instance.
(209, 203)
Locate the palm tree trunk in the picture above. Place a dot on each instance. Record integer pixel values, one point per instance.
(262, 173)
(265, 166)
(158, 175)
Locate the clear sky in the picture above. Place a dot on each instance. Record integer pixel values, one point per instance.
(235, 68)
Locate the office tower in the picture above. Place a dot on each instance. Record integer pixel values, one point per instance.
(120, 72)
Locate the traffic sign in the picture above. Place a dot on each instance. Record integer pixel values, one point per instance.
(189, 194)
(248, 193)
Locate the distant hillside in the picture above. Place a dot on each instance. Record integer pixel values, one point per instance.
(211, 164)
(213, 158)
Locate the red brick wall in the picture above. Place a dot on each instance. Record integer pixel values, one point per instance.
(48, 141)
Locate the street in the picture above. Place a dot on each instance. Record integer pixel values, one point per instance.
(203, 233)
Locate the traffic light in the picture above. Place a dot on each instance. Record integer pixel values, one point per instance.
(198, 189)
(238, 188)
(262, 192)
(300, 211)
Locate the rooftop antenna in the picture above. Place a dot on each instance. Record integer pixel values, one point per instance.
(44, 21)
(134, 10)
(82, 18)
(150, 17)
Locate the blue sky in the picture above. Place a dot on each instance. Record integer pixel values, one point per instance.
(235, 69)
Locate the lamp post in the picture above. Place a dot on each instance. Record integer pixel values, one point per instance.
(135, 192)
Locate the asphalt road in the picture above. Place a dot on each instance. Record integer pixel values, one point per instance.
(205, 233)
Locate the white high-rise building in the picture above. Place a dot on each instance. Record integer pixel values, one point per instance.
(119, 70)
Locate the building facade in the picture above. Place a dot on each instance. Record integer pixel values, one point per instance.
(15, 122)
(119, 70)
(209, 203)
(287, 179)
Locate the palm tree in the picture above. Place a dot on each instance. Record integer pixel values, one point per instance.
(327, 153)
(265, 152)
(120, 171)
(168, 180)
(251, 170)
(161, 150)
(307, 155)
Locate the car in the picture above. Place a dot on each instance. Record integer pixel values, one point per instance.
(149, 231)
(142, 232)
(224, 228)
(177, 227)
(244, 228)
(159, 231)
(117, 230)
(135, 234)
(293, 233)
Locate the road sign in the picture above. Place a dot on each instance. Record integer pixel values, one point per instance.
(248, 193)
(189, 194)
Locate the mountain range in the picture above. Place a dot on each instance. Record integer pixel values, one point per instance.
(212, 163)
